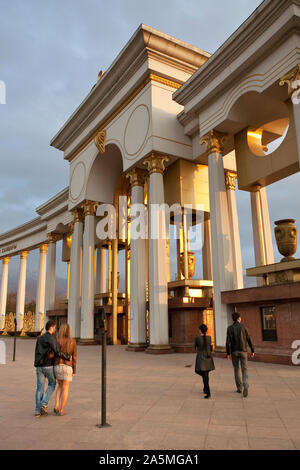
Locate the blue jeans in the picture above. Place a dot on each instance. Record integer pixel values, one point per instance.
(240, 358)
(43, 373)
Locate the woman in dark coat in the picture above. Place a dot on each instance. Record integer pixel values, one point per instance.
(204, 361)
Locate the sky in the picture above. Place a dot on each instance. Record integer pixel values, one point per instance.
(50, 56)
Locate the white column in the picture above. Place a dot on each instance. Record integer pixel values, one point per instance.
(220, 234)
(88, 273)
(3, 292)
(100, 283)
(137, 270)
(266, 226)
(206, 251)
(41, 284)
(185, 247)
(74, 303)
(262, 238)
(158, 290)
(115, 259)
(50, 275)
(68, 279)
(238, 280)
(20, 307)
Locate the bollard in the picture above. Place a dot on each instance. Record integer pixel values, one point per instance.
(102, 318)
(15, 339)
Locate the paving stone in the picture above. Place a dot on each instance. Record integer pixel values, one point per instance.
(152, 403)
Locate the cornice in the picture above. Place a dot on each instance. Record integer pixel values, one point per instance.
(29, 228)
(54, 203)
(146, 41)
(245, 36)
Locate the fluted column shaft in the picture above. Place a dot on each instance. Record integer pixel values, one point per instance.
(20, 306)
(230, 179)
(220, 234)
(158, 288)
(74, 303)
(50, 274)
(3, 292)
(41, 285)
(137, 269)
(100, 284)
(88, 273)
(262, 237)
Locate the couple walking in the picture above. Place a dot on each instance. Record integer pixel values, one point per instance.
(55, 359)
(236, 350)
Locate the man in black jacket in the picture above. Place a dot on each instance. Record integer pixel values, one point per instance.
(236, 348)
(45, 351)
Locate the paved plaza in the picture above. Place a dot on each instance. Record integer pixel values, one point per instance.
(154, 402)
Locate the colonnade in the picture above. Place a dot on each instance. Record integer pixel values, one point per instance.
(88, 273)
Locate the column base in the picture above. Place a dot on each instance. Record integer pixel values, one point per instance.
(220, 351)
(87, 342)
(136, 347)
(159, 349)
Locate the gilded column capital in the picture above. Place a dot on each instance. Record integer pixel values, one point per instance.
(155, 163)
(70, 228)
(136, 176)
(292, 79)
(230, 180)
(52, 237)
(6, 260)
(24, 254)
(77, 214)
(100, 141)
(43, 248)
(213, 141)
(89, 207)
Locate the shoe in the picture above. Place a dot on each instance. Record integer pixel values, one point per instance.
(44, 410)
(207, 396)
(56, 411)
(239, 391)
(37, 415)
(245, 392)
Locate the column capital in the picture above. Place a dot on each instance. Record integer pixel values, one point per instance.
(100, 141)
(230, 180)
(43, 248)
(77, 214)
(71, 228)
(53, 237)
(213, 141)
(136, 176)
(292, 79)
(155, 163)
(89, 207)
(24, 254)
(6, 260)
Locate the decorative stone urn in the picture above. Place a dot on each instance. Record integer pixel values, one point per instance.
(191, 264)
(286, 238)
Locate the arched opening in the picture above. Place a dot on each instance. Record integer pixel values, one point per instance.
(104, 175)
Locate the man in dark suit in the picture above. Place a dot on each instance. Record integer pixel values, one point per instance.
(236, 348)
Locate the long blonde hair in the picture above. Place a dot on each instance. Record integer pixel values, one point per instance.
(65, 332)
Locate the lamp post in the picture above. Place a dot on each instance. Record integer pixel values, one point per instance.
(102, 324)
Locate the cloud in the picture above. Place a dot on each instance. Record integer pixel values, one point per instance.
(50, 55)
